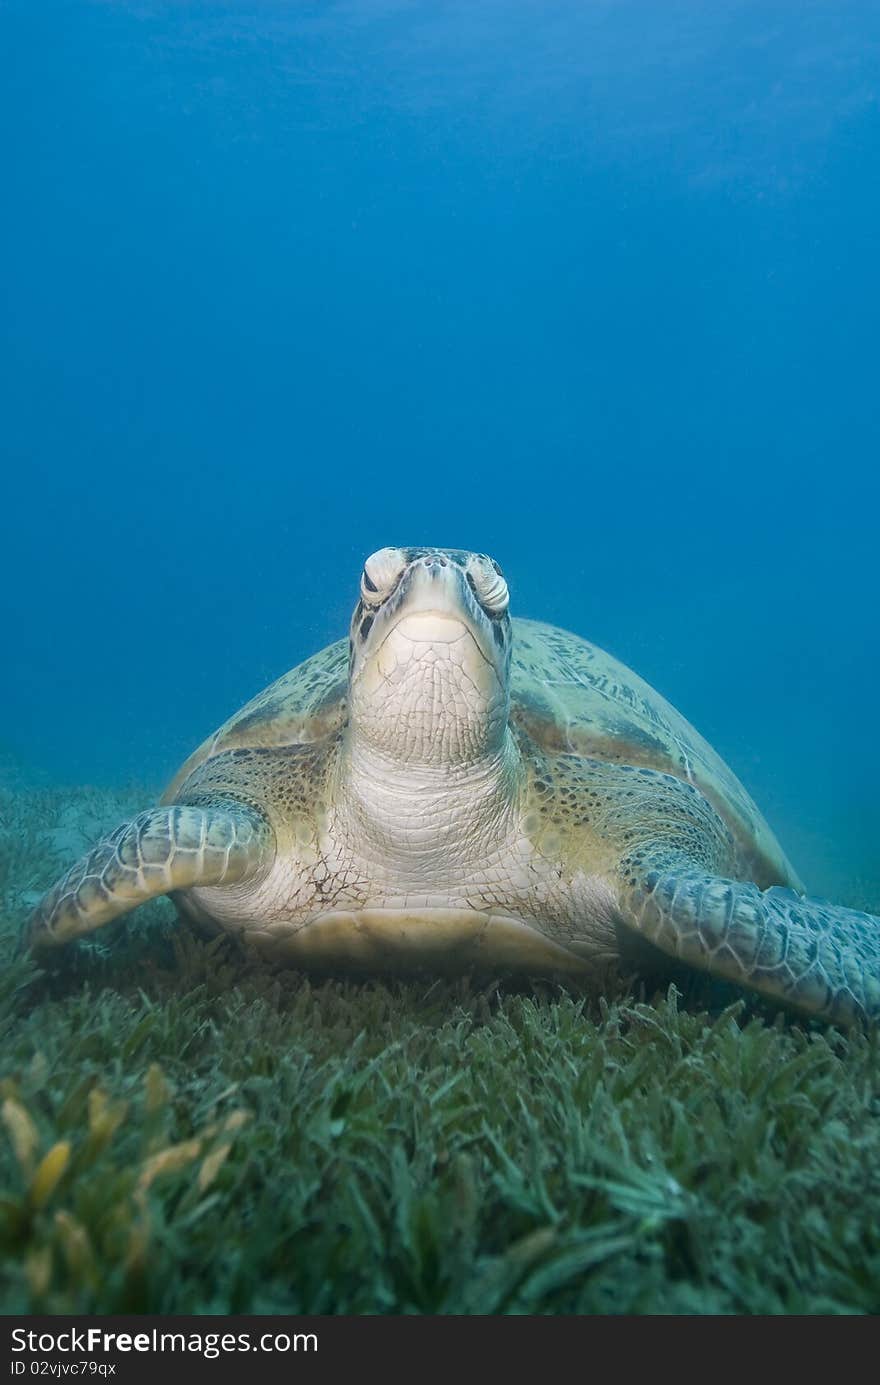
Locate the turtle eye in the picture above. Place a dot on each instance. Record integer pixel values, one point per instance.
(381, 574)
(488, 585)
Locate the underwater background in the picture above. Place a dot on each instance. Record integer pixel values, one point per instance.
(592, 287)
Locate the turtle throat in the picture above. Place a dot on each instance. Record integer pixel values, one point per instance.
(429, 695)
(430, 768)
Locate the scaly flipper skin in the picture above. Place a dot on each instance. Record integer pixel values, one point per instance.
(819, 958)
(160, 850)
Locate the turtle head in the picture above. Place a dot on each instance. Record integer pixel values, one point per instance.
(430, 656)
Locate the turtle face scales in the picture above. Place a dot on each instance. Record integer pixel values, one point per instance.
(430, 656)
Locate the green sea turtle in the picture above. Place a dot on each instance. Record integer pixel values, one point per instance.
(452, 788)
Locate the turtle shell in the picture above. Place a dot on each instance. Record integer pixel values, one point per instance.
(299, 708)
(567, 695)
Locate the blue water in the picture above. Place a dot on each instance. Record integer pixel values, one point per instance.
(593, 287)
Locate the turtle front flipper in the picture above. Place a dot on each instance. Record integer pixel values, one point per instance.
(163, 849)
(820, 958)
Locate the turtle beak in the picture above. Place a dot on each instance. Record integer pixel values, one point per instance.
(435, 587)
(434, 601)
(435, 605)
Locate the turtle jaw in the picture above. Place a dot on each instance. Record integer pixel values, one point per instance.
(429, 670)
